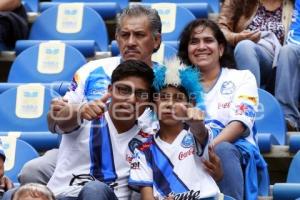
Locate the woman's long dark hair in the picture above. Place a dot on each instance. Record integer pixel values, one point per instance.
(226, 59)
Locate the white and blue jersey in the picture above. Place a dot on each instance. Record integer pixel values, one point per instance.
(78, 152)
(95, 149)
(294, 33)
(90, 82)
(234, 97)
(172, 169)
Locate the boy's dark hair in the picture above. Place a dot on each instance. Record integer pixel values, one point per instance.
(133, 68)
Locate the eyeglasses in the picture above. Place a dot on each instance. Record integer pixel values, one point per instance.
(127, 91)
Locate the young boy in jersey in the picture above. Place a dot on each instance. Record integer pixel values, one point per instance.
(92, 160)
(169, 164)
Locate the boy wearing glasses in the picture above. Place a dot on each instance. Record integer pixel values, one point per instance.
(138, 34)
(95, 154)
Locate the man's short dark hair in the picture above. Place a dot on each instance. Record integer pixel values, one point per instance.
(135, 68)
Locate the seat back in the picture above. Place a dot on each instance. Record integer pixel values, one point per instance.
(25, 108)
(270, 118)
(70, 22)
(165, 52)
(123, 3)
(40, 140)
(46, 63)
(31, 5)
(294, 173)
(17, 154)
(174, 19)
(214, 4)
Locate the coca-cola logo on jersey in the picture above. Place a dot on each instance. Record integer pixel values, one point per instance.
(183, 154)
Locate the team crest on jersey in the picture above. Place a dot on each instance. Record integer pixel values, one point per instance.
(134, 143)
(245, 109)
(215, 127)
(187, 141)
(227, 87)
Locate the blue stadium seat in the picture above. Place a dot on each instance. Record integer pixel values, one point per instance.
(294, 143)
(165, 52)
(86, 47)
(168, 51)
(291, 189)
(17, 154)
(269, 122)
(32, 67)
(31, 5)
(199, 10)
(25, 108)
(294, 170)
(172, 27)
(39, 140)
(107, 10)
(51, 26)
(61, 87)
(123, 3)
(214, 4)
(286, 191)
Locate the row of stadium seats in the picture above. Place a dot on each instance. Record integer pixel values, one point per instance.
(52, 62)
(291, 189)
(114, 6)
(81, 27)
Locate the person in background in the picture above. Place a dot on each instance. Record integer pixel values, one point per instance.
(256, 29)
(13, 23)
(138, 34)
(287, 85)
(231, 101)
(32, 191)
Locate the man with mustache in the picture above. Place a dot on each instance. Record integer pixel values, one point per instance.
(138, 34)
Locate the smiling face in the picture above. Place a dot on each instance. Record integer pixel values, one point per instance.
(136, 40)
(204, 50)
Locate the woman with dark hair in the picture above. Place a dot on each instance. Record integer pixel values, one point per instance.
(257, 29)
(231, 101)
